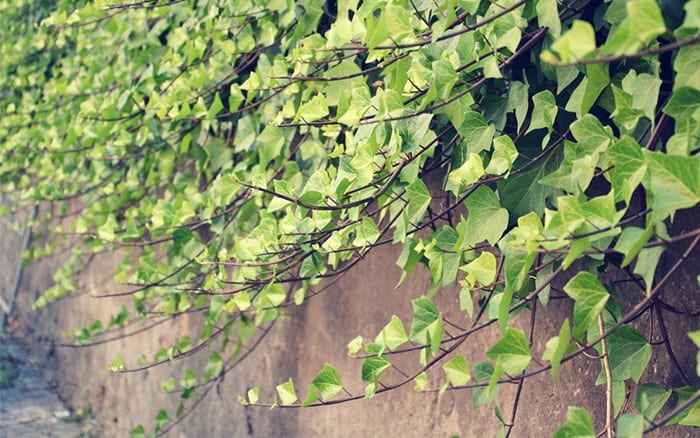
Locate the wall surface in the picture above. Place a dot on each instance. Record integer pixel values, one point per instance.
(361, 302)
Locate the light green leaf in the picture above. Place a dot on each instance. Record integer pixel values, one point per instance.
(392, 335)
(487, 220)
(650, 399)
(512, 351)
(286, 392)
(313, 110)
(646, 264)
(557, 347)
(457, 371)
(695, 337)
(253, 395)
(373, 367)
(548, 16)
(503, 156)
(419, 200)
(327, 381)
(640, 27)
(673, 182)
(578, 424)
(631, 241)
(426, 327)
(630, 426)
(628, 354)
(354, 346)
(476, 133)
(575, 44)
(482, 395)
(590, 297)
(483, 268)
(629, 167)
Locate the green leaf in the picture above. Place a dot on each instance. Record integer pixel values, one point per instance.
(512, 351)
(327, 381)
(354, 346)
(557, 347)
(578, 424)
(476, 133)
(373, 367)
(313, 110)
(640, 27)
(421, 381)
(483, 268)
(646, 264)
(650, 399)
(367, 233)
(426, 327)
(457, 371)
(117, 364)
(487, 220)
(286, 392)
(695, 337)
(590, 297)
(575, 44)
(548, 16)
(253, 395)
(481, 394)
(630, 426)
(629, 167)
(673, 182)
(214, 367)
(419, 200)
(628, 355)
(392, 335)
(631, 241)
(503, 156)
(137, 432)
(544, 111)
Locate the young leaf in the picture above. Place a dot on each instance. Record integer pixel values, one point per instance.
(392, 335)
(512, 351)
(650, 399)
(557, 347)
(630, 426)
(327, 381)
(286, 392)
(590, 297)
(373, 367)
(457, 371)
(628, 354)
(427, 321)
(578, 424)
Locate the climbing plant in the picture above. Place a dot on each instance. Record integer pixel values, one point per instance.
(244, 153)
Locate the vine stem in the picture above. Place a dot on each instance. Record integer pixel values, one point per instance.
(608, 380)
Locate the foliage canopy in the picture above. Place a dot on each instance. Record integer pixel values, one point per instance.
(242, 152)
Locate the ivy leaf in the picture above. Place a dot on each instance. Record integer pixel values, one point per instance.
(640, 27)
(373, 367)
(650, 399)
(313, 110)
(575, 44)
(476, 133)
(512, 351)
(286, 392)
(548, 16)
(630, 426)
(503, 156)
(487, 220)
(628, 354)
(631, 241)
(327, 381)
(578, 424)
(392, 335)
(482, 395)
(557, 347)
(483, 268)
(590, 297)
(253, 395)
(354, 346)
(457, 371)
(629, 167)
(673, 182)
(426, 327)
(214, 367)
(419, 199)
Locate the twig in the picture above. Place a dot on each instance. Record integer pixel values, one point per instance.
(608, 380)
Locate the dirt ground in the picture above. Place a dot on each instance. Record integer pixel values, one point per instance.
(362, 302)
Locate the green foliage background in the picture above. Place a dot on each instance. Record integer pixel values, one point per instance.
(241, 152)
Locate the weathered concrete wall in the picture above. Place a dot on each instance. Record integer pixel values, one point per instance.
(361, 302)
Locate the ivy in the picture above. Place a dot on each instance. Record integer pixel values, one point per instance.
(244, 154)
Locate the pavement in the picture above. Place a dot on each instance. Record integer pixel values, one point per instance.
(28, 407)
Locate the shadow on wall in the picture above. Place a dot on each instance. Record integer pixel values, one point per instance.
(360, 303)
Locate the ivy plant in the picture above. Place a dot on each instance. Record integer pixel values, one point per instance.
(242, 153)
